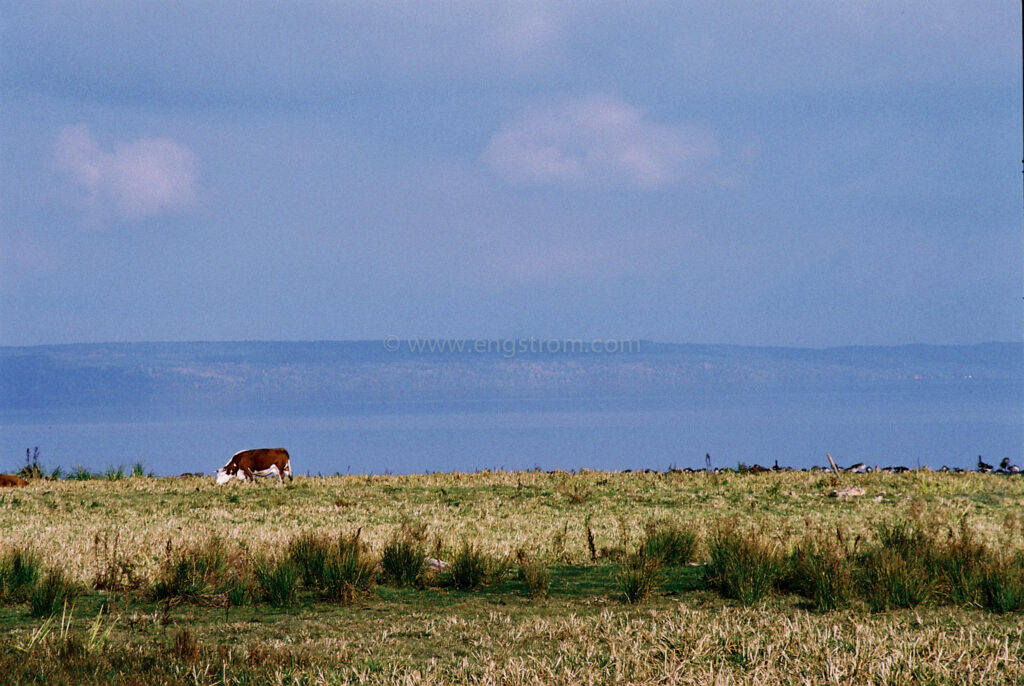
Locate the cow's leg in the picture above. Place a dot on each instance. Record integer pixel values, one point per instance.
(248, 474)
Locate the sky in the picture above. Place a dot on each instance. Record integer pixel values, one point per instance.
(754, 173)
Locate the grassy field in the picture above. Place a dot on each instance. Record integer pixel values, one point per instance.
(581, 534)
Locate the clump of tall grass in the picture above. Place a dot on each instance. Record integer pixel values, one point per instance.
(742, 565)
(348, 570)
(116, 570)
(1002, 584)
(671, 543)
(114, 473)
(402, 561)
(139, 471)
(309, 553)
(822, 572)
(194, 572)
(890, 580)
(470, 567)
(277, 579)
(959, 567)
(80, 473)
(53, 592)
(534, 573)
(20, 569)
(338, 568)
(33, 469)
(638, 576)
(899, 571)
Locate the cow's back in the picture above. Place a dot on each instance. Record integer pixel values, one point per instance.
(261, 458)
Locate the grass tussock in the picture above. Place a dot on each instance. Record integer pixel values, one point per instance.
(535, 573)
(402, 561)
(193, 573)
(1002, 584)
(743, 565)
(20, 569)
(277, 580)
(349, 570)
(470, 567)
(670, 542)
(54, 592)
(310, 552)
(638, 576)
(116, 569)
(822, 571)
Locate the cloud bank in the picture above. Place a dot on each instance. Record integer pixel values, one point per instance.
(599, 141)
(140, 178)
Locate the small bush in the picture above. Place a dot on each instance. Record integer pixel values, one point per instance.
(193, 573)
(639, 576)
(669, 542)
(469, 567)
(348, 570)
(278, 581)
(742, 566)
(50, 594)
(20, 569)
(402, 561)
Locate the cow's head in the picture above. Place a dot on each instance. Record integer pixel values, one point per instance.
(224, 476)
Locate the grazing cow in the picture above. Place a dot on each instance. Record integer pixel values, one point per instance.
(247, 464)
(12, 481)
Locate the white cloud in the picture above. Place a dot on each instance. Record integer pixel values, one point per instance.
(139, 178)
(599, 140)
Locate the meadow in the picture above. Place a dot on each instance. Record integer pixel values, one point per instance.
(585, 577)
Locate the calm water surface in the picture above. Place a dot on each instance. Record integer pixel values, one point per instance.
(797, 429)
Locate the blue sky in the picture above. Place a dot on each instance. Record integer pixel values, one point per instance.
(762, 173)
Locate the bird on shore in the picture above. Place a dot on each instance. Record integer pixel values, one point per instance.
(1006, 467)
(983, 467)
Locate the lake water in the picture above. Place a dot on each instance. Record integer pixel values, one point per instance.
(797, 429)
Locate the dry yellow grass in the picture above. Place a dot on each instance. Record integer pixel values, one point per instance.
(500, 511)
(500, 635)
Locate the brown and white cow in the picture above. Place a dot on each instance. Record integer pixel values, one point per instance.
(245, 465)
(13, 481)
